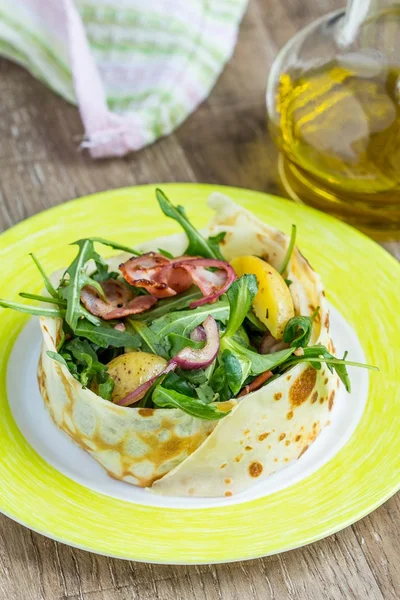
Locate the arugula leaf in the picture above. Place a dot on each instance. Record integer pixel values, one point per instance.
(165, 398)
(298, 330)
(70, 289)
(168, 305)
(56, 356)
(39, 311)
(255, 321)
(104, 335)
(103, 274)
(152, 342)
(165, 253)
(237, 369)
(259, 363)
(198, 246)
(47, 283)
(240, 295)
(317, 355)
(289, 251)
(40, 298)
(81, 360)
(113, 245)
(184, 321)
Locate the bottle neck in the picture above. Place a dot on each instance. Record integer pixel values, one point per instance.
(359, 12)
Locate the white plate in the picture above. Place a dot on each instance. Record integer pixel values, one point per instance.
(56, 448)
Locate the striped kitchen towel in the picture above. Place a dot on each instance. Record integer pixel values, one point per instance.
(136, 68)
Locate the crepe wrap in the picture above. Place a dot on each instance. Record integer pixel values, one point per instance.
(180, 455)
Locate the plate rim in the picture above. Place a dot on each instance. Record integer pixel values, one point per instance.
(257, 196)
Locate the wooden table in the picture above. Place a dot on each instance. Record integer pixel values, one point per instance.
(225, 142)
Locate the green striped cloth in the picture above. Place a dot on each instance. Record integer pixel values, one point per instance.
(136, 68)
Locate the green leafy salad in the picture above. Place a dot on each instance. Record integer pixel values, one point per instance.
(189, 332)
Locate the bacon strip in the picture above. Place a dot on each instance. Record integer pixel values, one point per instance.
(145, 271)
(256, 384)
(163, 277)
(120, 301)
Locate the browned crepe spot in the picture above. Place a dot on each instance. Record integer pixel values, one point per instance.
(297, 438)
(248, 448)
(326, 322)
(228, 493)
(287, 443)
(228, 480)
(302, 386)
(223, 465)
(278, 396)
(314, 397)
(255, 469)
(263, 436)
(289, 415)
(331, 399)
(288, 377)
(239, 457)
(146, 412)
(303, 450)
(282, 436)
(326, 381)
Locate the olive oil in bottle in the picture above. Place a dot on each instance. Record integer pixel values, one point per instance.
(339, 136)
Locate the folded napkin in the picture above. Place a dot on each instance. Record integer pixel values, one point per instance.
(136, 68)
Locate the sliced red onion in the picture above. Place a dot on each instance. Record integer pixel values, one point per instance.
(138, 393)
(198, 334)
(200, 358)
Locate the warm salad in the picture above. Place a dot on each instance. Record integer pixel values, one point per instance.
(188, 332)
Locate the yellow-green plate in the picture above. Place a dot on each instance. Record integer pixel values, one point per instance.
(362, 281)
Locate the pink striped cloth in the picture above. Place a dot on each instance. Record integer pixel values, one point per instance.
(136, 68)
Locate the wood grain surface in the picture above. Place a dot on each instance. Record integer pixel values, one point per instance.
(224, 142)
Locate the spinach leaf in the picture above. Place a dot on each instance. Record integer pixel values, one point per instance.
(178, 342)
(298, 330)
(289, 251)
(105, 385)
(198, 245)
(176, 383)
(47, 283)
(165, 398)
(240, 296)
(237, 368)
(259, 363)
(105, 335)
(218, 378)
(184, 321)
(194, 376)
(168, 305)
(206, 394)
(39, 311)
